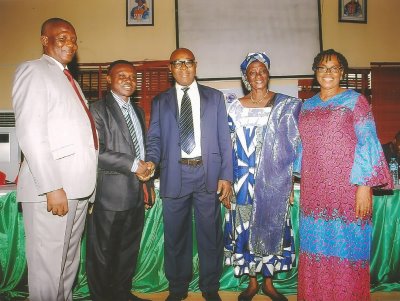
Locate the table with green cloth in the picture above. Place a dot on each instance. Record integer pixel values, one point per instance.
(150, 277)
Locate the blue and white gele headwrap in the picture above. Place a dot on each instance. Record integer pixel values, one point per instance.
(251, 57)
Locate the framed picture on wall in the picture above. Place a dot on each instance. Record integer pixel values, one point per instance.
(354, 11)
(139, 12)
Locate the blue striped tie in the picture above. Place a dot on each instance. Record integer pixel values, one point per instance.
(186, 123)
(128, 119)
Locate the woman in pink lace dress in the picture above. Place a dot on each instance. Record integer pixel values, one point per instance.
(341, 160)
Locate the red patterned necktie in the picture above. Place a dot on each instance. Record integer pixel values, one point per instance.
(71, 80)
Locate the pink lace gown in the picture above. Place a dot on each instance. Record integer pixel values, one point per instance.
(340, 150)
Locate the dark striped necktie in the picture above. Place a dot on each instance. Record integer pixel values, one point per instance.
(186, 123)
(129, 123)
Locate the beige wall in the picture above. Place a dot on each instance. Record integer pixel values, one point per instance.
(103, 36)
(376, 41)
(100, 26)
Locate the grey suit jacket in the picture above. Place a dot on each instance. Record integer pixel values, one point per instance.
(118, 188)
(53, 132)
(163, 142)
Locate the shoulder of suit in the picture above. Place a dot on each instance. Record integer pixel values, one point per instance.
(98, 105)
(165, 93)
(36, 62)
(208, 89)
(37, 65)
(211, 91)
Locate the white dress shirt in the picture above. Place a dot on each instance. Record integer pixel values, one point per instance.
(136, 126)
(194, 96)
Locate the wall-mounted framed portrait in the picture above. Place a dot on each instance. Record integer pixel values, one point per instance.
(139, 12)
(353, 11)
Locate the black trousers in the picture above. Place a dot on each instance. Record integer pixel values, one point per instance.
(113, 243)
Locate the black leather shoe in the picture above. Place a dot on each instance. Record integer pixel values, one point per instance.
(176, 296)
(132, 297)
(211, 296)
(246, 297)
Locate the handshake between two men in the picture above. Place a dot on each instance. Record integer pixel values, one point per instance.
(145, 170)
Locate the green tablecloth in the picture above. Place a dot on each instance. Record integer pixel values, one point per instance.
(385, 257)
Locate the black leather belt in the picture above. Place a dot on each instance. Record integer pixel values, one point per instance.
(191, 161)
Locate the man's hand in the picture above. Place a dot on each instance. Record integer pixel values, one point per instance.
(148, 169)
(363, 201)
(57, 202)
(151, 166)
(224, 191)
(142, 169)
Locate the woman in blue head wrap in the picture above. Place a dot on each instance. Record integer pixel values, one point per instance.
(263, 124)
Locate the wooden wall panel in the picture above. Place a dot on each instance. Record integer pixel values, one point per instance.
(386, 99)
(153, 77)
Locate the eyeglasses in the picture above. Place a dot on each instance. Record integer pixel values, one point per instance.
(179, 64)
(324, 69)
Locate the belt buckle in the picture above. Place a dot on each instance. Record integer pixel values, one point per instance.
(190, 162)
(194, 162)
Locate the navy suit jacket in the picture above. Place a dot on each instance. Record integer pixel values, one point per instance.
(163, 142)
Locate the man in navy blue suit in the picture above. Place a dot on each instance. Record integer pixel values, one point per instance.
(195, 161)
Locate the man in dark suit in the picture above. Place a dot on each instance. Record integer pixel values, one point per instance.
(189, 139)
(392, 149)
(116, 222)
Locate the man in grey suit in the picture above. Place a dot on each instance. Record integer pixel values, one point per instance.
(189, 139)
(58, 139)
(116, 222)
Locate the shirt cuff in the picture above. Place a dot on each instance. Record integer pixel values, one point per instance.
(135, 165)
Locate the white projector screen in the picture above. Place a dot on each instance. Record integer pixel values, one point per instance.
(220, 34)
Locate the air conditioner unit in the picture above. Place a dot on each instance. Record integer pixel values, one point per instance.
(10, 153)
